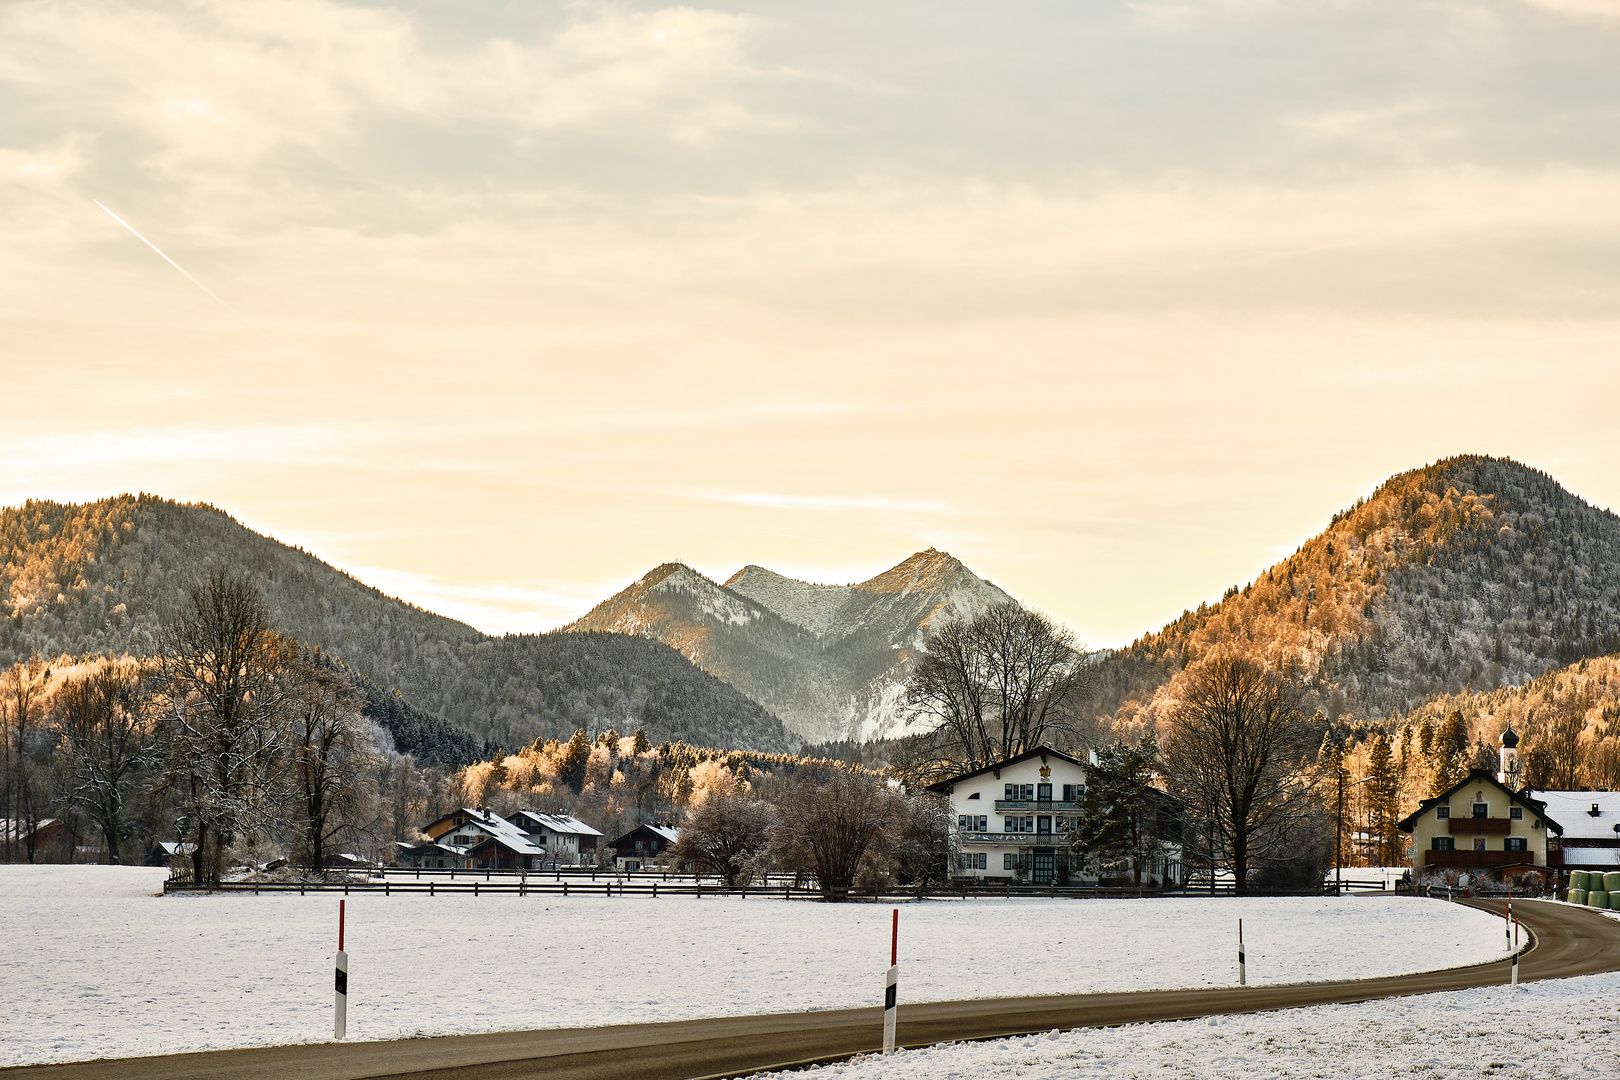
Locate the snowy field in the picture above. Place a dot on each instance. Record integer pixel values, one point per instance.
(96, 965)
(1559, 1029)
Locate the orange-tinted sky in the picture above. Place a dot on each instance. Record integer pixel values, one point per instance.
(1118, 302)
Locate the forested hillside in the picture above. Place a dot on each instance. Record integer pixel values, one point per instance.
(106, 577)
(1467, 575)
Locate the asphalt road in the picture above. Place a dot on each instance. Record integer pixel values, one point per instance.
(1565, 941)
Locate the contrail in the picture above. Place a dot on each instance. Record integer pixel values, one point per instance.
(170, 261)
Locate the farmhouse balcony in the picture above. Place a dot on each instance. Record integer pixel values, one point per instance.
(1477, 826)
(1034, 806)
(1004, 838)
(1481, 860)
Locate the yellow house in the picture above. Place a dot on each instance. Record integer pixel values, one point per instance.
(1482, 825)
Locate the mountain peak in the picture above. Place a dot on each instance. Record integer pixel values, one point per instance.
(928, 571)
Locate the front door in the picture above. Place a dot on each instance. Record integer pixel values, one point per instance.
(1044, 868)
(1043, 792)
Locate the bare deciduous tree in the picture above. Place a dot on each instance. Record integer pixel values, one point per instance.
(726, 835)
(22, 694)
(227, 742)
(993, 687)
(1236, 754)
(104, 726)
(831, 823)
(333, 763)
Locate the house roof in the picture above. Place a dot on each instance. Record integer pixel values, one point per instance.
(1042, 752)
(517, 843)
(1477, 777)
(558, 823)
(1574, 810)
(17, 829)
(669, 835)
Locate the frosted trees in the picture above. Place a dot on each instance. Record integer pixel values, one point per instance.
(104, 729)
(22, 783)
(726, 835)
(1235, 754)
(226, 739)
(994, 686)
(831, 824)
(333, 765)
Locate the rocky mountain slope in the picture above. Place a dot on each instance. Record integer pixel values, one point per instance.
(107, 576)
(830, 660)
(1469, 574)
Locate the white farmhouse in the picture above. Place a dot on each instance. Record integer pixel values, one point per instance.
(565, 840)
(1013, 817)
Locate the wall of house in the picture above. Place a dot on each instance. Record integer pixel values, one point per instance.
(1460, 807)
(1004, 833)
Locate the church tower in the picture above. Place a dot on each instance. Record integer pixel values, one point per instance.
(1508, 760)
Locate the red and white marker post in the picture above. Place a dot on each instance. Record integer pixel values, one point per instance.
(340, 1006)
(891, 986)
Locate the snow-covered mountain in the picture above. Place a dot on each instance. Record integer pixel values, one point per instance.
(830, 660)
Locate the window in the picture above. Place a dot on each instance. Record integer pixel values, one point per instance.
(641, 845)
(1514, 843)
(1020, 824)
(1043, 792)
(981, 860)
(1043, 824)
(1020, 792)
(1007, 862)
(970, 823)
(1482, 809)
(1073, 792)
(1443, 843)
(975, 795)
(972, 860)
(1516, 813)
(1441, 813)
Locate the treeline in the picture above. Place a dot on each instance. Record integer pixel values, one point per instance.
(108, 578)
(234, 743)
(615, 782)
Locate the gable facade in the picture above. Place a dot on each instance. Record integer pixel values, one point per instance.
(1480, 824)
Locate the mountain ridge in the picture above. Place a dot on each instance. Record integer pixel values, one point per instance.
(107, 576)
(830, 660)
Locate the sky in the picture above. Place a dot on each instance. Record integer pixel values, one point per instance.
(499, 305)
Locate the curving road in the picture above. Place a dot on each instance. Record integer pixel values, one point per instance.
(1565, 941)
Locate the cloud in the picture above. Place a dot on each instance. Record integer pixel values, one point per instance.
(1597, 10)
(213, 83)
(529, 606)
(778, 501)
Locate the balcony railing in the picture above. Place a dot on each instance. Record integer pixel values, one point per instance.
(1478, 860)
(1476, 826)
(1041, 839)
(1035, 806)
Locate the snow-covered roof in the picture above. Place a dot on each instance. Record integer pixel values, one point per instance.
(669, 833)
(1573, 810)
(183, 847)
(559, 823)
(506, 832)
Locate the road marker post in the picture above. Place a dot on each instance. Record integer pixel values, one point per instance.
(340, 1006)
(891, 986)
(1515, 953)
(1243, 973)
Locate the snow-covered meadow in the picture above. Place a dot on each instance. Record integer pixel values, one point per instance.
(1559, 1029)
(96, 965)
